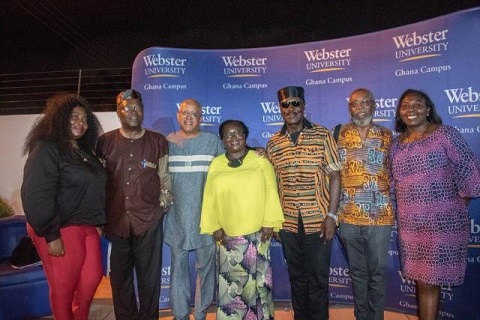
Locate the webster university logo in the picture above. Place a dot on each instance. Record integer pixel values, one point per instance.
(240, 66)
(414, 46)
(463, 102)
(158, 65)
(323, 60)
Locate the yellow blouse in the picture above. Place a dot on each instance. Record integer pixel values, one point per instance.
(240, 200)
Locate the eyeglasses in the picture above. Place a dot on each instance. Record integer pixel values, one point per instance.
(415, 106)
(360, 103)
(74, 117)
(236, 134)
(286, 104)
(131, 108)
(188, 114)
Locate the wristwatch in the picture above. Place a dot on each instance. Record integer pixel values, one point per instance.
(333, 216)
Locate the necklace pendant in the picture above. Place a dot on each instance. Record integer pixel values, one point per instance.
(408, 139)
(81, 154)
(235, 163)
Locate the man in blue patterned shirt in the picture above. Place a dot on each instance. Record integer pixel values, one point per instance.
(190, 154)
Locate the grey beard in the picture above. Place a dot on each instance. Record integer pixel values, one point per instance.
(364, 122)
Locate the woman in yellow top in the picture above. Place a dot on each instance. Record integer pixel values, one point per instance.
(241, 209)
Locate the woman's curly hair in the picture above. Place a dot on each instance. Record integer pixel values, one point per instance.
(54, 124)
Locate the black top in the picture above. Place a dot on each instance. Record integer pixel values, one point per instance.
(61, 190)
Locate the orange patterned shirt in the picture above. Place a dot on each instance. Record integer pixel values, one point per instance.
(302, 171)
(365, 179)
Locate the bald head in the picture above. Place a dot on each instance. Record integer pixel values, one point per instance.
(189, 117)
(361, 106)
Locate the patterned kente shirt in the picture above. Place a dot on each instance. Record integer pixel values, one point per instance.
(365, 188)
(302, 171)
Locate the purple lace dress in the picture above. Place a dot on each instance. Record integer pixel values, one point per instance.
(430, 177)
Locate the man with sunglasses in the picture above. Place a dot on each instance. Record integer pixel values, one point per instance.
(365, 212)
(307, 165)
(138, 194)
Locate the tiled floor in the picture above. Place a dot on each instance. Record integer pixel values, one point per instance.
(102, 309)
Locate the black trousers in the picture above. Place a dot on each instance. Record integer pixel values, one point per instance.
(308, 263)
(142, 253)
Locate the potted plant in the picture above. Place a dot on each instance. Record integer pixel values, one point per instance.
(5, 209)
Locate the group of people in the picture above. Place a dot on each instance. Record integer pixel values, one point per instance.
(224, 197)
(79, 185)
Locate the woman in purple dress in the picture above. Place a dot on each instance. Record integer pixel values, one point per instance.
(434, 176)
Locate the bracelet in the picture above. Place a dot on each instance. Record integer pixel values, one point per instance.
(333, 216)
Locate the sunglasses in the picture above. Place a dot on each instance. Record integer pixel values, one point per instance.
(286, 104)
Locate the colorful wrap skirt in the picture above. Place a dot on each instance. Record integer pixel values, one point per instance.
(244, 278)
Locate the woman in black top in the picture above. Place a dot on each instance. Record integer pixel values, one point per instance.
(63, 196)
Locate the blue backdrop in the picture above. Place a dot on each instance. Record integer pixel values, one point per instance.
(439, 56)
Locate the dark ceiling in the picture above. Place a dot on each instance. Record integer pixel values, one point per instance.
(46, 35)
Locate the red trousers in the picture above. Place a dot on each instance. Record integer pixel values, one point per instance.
(73, 278)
